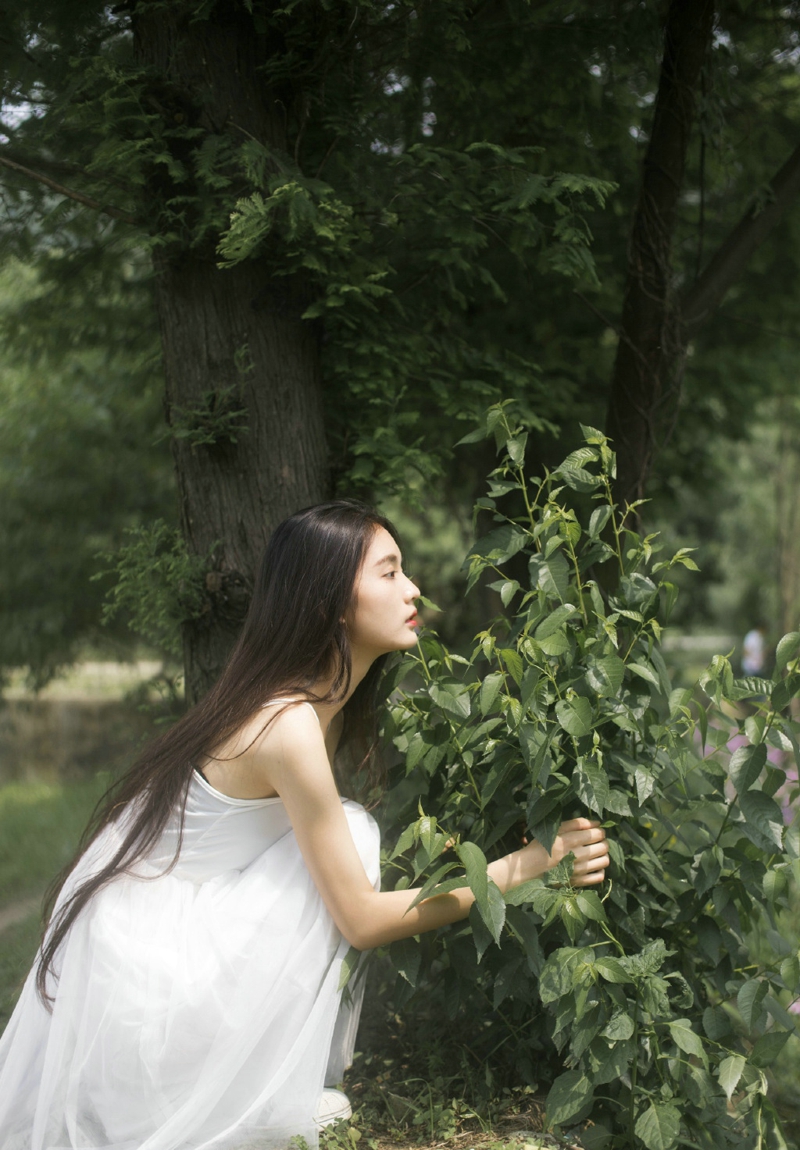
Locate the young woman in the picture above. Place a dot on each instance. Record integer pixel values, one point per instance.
(187, 992)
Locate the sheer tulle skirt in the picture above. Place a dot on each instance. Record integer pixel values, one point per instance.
(187, 1015)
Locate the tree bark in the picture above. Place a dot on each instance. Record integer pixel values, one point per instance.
(649, 346)
(232, 339)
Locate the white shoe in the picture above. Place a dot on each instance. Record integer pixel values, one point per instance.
(332, 1106)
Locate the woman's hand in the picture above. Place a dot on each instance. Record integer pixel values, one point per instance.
(585, 839)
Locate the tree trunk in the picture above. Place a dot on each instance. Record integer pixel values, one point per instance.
(787, 478)
(650, 349)
(244, 397)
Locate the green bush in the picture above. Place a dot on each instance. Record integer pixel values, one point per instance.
(639, 1000)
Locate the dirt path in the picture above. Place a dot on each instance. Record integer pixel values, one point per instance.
(17, 911)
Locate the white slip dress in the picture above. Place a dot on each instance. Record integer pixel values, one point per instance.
(194, 1009)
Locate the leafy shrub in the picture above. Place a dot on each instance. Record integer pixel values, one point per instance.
(641, 996)
(158, 584)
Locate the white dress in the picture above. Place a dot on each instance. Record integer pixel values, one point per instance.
(195, 1009)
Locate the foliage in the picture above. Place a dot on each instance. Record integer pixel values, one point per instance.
(645, 989)
(78, 416)
(412, 139)
(220, 418)
(158, 584)
(449, 208)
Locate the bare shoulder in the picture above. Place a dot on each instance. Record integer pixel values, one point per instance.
(282, 730)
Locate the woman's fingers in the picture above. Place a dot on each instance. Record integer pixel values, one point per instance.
(596, 862)
(577, 841)
(590, 850)
(579, 824)
(593, 879)
(585, 839)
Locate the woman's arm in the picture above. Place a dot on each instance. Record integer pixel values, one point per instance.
(291, 758)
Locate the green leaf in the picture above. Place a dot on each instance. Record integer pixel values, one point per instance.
(620, 1028)
(787, 649)
(763, 820)
(616, 802)
(590, 905)
(555, 645)
(645, 783)
(592, 435)
(659, 1126)
(571, 917)
(551, 574)
(746, 765)
(578, 478)
(448, 700)
(597, 521)
(481, 935)
(434, 884)
(768, 1047)
(790, 973)
(516, 448)
(508, 591)
(518, 895)
(489, 690)
(493, 911)
(501, 543)
(679, 699)
(591, 784)
(605, 677)
(786, 1020)
(750, 1001)
(417, 748)
(612, 970)
(554, 621)
(646, 673)
(349, 965)
(730, 1071)
(716, 1022)
(568, 1095)
(512, 661)
(474, 862)
(784, 691)
(698, 1086)
(685, 1038)
(557, 975)
(406, 956)
(575, 715)
(523, 927)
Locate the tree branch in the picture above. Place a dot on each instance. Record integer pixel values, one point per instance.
(728, 262)
(51, 167)
(79, 197)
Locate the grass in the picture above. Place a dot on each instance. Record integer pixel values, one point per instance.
(40, 824)
(18, 948)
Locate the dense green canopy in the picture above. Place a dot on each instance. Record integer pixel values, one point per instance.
(443, 192)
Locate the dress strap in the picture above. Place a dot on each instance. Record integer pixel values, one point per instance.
(272, 702)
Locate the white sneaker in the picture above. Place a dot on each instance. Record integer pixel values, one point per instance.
(332, 1106)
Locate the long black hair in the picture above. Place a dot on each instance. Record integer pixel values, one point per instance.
(294, 635)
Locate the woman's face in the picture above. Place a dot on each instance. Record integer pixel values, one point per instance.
(384, 617)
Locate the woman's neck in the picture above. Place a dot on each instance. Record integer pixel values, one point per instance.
(361, 662)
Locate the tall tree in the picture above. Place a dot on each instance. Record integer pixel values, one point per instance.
(390, 191)
(656, 322)
(169, 118)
